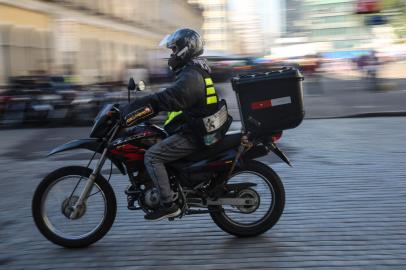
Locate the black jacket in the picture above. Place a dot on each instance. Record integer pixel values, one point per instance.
(187, 93)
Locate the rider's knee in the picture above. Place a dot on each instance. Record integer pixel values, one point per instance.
(150, 157)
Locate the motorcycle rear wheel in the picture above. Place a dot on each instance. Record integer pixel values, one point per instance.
(227, 224)
(61, 210)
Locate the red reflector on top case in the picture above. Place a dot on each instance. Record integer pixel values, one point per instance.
(270, 103)
(261, 104)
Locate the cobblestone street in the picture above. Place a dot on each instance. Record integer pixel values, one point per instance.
(345, 207)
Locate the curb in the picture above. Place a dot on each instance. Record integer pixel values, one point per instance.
(364, 115)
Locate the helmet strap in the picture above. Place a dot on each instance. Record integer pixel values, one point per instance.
(174, 62)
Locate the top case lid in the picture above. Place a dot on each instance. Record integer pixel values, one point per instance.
(272, 74)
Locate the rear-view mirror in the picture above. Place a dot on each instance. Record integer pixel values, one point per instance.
(131, 84)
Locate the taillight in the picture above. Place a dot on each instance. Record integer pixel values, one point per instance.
(275, 137)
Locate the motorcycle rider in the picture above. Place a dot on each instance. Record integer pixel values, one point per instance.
(190, 101)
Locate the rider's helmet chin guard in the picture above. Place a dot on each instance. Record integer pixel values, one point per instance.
(185, 44)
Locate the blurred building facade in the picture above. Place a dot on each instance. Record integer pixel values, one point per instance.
(247, 20)
(316, 26)
(239, 27)
(96, 40)
(218, 33)
(292, 18)
(335, 22)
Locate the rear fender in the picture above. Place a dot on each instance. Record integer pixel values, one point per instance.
(94, 145)
(263, 150)
(279, 153)
(256, 152)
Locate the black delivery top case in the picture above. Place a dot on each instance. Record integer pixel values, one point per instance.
(274, 99)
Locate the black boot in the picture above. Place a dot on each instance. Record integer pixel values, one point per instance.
(166, 211)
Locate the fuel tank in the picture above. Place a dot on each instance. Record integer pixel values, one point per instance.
(131, 144)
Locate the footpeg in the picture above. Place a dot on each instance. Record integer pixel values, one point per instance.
(131, 203)
(132, 197)
(130, 192)
(197, 212)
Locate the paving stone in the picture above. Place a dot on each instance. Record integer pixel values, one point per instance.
(345, 208)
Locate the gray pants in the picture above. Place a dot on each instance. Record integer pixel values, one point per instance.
(172, 148)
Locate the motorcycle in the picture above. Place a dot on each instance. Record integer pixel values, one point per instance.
(244, 197)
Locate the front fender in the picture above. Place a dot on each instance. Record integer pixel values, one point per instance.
(90, 144)
(94, 145)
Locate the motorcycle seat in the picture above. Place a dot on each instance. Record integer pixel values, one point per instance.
(231, 140)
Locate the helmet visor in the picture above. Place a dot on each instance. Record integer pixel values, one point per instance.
(168, 41)
(164, 41)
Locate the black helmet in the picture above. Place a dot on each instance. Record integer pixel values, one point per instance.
(185, 45)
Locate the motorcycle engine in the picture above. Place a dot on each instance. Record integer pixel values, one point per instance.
(150, 199)
(193, 179)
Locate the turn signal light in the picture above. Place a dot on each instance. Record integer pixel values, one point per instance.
(275, 137)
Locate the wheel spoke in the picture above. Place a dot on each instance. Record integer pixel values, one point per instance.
(53, 203)
(262, 185)
(56, 211)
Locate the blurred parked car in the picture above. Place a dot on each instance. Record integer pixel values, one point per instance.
(36, 99)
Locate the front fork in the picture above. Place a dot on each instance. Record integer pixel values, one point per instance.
(92, 178)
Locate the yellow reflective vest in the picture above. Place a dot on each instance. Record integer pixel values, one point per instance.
(211, 98)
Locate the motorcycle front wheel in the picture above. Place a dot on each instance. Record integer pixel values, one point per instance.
(52, 206)
(268, 193)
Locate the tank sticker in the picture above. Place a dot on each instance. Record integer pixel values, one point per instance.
(139, 115)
